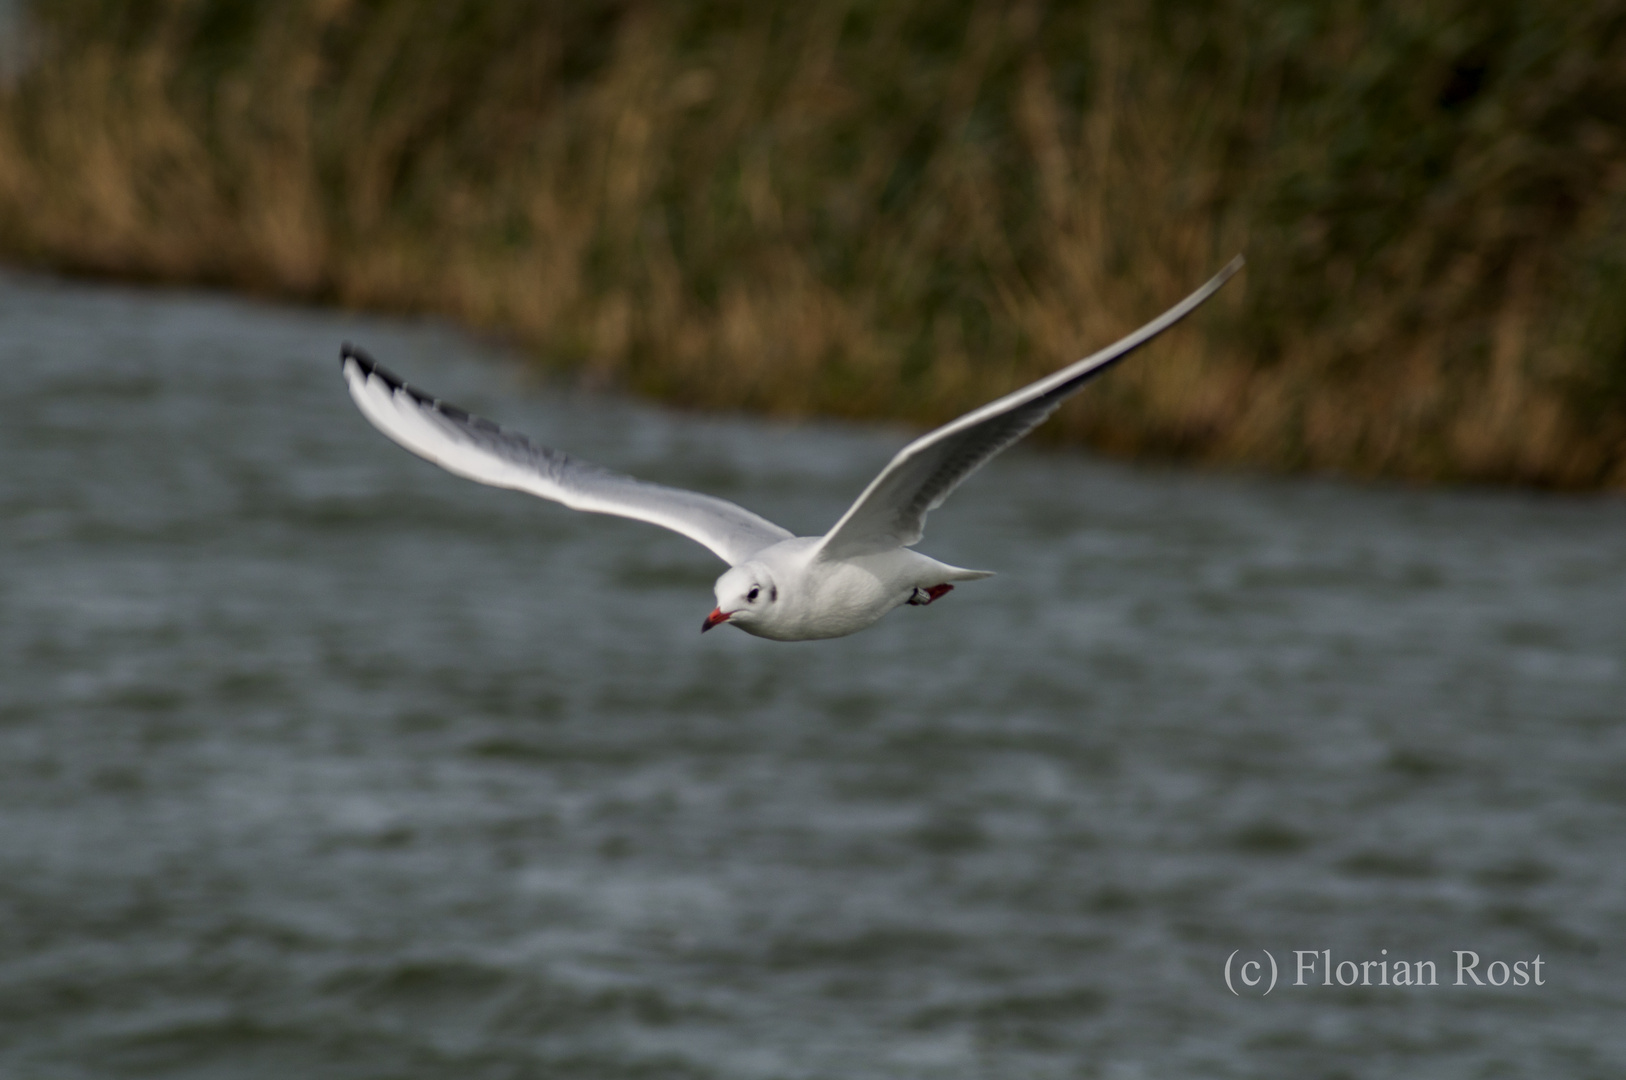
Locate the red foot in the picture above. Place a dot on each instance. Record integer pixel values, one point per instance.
(936, 592)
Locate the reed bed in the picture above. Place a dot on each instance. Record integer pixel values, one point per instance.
(899, 209)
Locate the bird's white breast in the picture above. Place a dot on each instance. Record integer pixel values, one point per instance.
(826, 599)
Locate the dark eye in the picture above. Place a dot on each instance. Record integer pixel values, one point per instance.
(751, 597)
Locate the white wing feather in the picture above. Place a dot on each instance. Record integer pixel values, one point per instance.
(480, 450)
(892, 510)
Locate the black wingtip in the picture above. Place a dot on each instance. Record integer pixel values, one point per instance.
(348, 352)
(371, 367)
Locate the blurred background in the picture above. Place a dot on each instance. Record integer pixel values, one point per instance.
(316, 761)
(899, 209)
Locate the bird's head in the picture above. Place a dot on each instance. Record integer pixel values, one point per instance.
(746, 597)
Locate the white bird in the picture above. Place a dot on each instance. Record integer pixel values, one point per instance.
(789, 588)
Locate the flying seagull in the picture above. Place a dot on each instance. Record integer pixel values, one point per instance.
(779, 586)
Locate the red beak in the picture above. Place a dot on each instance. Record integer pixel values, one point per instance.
(716, 618)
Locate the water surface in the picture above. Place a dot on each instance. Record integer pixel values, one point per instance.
(316, 761)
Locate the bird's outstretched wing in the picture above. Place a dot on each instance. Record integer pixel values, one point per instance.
(480, 450)
(892, 510)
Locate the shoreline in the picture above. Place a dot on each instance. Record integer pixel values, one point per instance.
(813, 212)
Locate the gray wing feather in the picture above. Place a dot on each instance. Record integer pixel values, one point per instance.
(892, 510)
(478, 449)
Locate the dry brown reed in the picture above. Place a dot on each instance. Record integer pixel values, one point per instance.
(902, 209)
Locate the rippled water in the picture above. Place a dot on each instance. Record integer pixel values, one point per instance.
(318, 762)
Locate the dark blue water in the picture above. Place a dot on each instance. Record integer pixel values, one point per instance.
(318, 762)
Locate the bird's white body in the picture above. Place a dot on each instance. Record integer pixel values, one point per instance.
(802, 597)
(779, 586)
